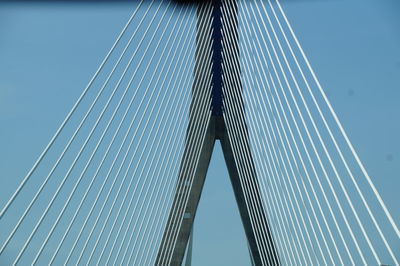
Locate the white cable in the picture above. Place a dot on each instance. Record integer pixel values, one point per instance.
(323, 145)
(341, 235)
(157, 210)
(180, 116)
(67, 146)
(290, 165)
(242, 176)
(334, 141)
(263, 104)
(287, 175)
(114, 161)
(289, 128)
(127, 170)
(80, 178)
(67, 174)
(197, 151)
(279, 225)
(23, 182)
(371, 184)
(140, 175)
(164, 198)
(291, 203)
(165, 214)
(191, 182)
(140, 261)
(184, 168)
(318, 157)
(154, 123)
(227, 95)
(250, 187)
(174, 145)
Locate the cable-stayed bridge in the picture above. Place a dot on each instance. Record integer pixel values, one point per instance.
(121, 178)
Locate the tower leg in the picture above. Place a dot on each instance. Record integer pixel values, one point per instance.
(178, 230)
(180, 220)
(260, 233)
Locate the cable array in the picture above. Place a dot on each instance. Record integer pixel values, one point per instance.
(114, 183)
(98, 191)
(320, 201)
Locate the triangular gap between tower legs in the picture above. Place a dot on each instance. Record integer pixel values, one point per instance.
(188, 258)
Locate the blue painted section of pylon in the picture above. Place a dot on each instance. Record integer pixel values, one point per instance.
(217, 95)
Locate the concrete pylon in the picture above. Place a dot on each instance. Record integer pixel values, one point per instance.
(180, 221)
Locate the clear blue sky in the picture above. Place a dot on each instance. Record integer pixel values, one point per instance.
(48, 52)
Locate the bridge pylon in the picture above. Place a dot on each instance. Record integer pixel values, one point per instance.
(215, 27)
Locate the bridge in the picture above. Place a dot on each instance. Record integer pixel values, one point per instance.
(121, 179)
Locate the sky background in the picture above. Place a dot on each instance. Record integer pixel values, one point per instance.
(48, 52)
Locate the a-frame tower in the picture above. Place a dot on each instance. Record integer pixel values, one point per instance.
(208, 77)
